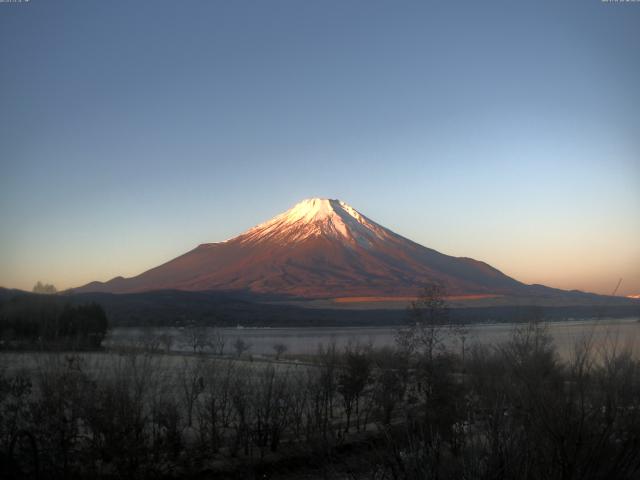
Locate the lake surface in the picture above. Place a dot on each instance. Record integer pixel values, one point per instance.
(622, 333)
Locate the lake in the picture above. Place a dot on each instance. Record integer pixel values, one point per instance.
(623, 333)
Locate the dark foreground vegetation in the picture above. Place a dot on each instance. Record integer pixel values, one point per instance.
(416, 411)
(48, 322)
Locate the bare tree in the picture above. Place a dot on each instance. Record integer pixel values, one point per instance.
(149, 341)
(192, 379)
(299, 388)
(241, 346)
(196, 337)
(326, 386)
(391, 376)
(355, 376)
(215, 408)
(270, 409)
(428, 322)
(218, 342)
(279, 348)
(242, 412)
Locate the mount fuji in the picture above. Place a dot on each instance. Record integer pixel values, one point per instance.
(320, 248)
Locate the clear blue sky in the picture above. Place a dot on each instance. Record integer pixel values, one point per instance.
(505, 131)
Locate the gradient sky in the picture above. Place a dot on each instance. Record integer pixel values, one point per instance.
(505, 131)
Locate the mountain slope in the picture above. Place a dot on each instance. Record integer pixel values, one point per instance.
(320, 248)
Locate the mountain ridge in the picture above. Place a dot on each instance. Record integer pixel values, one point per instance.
(319, 248)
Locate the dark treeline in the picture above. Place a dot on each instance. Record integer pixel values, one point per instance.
(414, 411)
(178, 308)
(48, 321)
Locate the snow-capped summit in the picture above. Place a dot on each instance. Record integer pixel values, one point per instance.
(311, 209)
(319, 248)
(317, 217)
